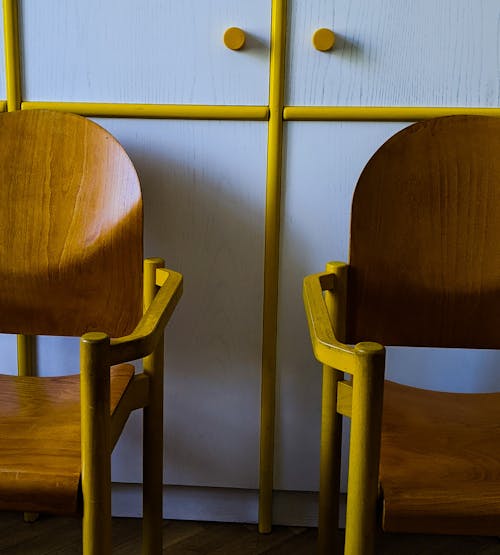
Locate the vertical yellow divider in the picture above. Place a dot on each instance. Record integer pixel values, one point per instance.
(271, 261)
(12, 55)
(26, 344)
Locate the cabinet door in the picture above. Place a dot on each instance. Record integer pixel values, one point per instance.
(204, 199)
(395, 53)
(323, 162)
(159, 51)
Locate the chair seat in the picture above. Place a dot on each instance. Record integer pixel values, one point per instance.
(439, 475)
(40, 460)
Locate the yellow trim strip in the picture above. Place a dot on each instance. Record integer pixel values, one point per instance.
(378, 113)
(3, 106)
(271, 260)
(12, 55)
(168, 111)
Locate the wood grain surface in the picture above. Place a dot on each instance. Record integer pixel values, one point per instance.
(440, 461)
(424, 256)
(40, 461)
(62, 535)
(70, 229)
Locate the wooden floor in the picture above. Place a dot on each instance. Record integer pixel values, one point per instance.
(62, 536)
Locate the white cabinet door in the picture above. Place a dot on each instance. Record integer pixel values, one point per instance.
(204, 198)
(158, 51)
(395, 53)
(323, 162)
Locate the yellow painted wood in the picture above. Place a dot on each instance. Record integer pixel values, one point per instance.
(364, 453)
(153, 428)
(3, 106)
(234, 38)
(366, 363)
(97, 353)
(329, 539)
(344, 398)
(271, 259)
(135, 396)
(378, 113)
(323, 39)
(143, 340)
(167, 111)
(12, 55)
(96, 443)
(326, 346)
(26, 355)
(161, 276)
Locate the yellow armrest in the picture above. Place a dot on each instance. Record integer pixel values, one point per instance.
(142, 341)
(327, 349)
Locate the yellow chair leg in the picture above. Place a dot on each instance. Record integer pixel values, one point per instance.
(366, 423)
(329, 539)
(26, 355)
(329, 488)
(96, 444)
(152, 536)
(26, 366)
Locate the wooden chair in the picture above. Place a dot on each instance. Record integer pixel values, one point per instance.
(71, 264)
(424, 270)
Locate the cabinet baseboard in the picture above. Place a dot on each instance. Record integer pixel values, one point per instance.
(291, 508)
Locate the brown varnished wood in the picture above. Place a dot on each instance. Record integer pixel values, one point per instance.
(425, 271)
(70, 227)
(425, 230)
(40, 462)
(440, 461)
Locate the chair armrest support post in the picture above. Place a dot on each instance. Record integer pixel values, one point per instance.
(96, 442)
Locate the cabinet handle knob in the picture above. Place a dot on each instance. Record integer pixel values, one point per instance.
(234, 38)
(323, 39)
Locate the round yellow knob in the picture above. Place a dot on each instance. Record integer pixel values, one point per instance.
(323, 39)
(234, 38)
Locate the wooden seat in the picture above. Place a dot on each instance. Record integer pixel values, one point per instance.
(424, 271)
(71, 228)
(437, 474)
(40, 443)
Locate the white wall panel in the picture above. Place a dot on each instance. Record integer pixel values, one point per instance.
(204, 193)
(159, 51)
(323, 162)
(395, 53)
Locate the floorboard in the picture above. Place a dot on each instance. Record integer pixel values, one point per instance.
(62, 536)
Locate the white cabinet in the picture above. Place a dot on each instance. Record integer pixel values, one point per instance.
(204, 190)
(159, 51)
(204, 195)
(395, 53)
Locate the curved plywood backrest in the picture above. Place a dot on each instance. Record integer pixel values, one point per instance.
(70, 227)
(425, 238)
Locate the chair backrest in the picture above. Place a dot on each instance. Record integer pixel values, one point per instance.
(425, 238)
(70, 227)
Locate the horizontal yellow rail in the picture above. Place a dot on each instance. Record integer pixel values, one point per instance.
(3, 106)
(256, 113)
(378, 113)
(167, 111)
